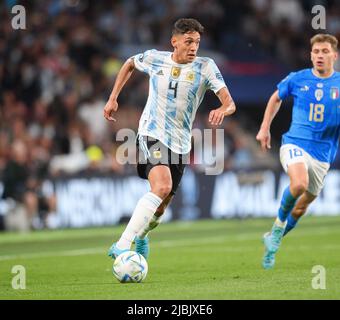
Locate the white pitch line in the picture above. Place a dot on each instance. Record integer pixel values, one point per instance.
(165, 243)
(77, 252)
(98, 250)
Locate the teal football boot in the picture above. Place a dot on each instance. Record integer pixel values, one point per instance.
(272, 242)
(142, 246)
(114, 252)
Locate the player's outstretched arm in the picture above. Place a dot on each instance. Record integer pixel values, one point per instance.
(122, 77)
(226, 109)
(273, 107)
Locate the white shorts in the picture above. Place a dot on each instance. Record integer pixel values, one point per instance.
(317, 170)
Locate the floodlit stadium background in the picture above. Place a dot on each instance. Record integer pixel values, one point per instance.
(58, 156)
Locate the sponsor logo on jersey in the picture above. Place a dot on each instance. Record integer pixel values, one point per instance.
(175, 72)
(219, 76)
(304, 88)
(334, 93)
(160, 73)
(319, 85)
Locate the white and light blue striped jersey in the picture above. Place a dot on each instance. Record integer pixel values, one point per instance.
(175, 93)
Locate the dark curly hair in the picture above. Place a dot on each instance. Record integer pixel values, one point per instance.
(185, 25)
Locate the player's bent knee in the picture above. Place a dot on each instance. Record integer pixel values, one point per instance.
(297, 189)
(162, 189)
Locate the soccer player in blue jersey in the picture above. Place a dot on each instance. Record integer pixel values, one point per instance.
(311, 143)
(178, 82)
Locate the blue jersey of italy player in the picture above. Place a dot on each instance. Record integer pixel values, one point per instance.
(315, 123)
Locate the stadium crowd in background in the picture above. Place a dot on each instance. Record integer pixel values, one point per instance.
(56, 75)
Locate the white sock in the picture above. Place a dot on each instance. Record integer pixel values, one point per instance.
(153, 223)
(279, 223)
(145, 209)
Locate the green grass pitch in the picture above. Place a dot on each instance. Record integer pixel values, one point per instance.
(209, 259)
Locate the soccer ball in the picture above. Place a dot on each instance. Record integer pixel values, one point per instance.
(130, 266)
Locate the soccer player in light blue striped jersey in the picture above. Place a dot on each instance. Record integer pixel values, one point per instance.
(178, 82)
(312, 141)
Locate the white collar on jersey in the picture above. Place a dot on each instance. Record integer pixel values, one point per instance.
(179, 64)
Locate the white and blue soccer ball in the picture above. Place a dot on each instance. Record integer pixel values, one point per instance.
(130, 266)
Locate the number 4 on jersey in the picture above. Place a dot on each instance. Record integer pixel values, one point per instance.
(173, 86)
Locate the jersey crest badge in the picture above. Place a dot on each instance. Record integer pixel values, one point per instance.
(190, 76)
(318, 94)
(334, 93)
(175, 72)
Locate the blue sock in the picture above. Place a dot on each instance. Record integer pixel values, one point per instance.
(287, 205)
(291, 223)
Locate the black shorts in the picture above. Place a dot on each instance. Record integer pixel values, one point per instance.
(152, 152)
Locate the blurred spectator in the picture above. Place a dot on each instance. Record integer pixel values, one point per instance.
(91, 112)
(289, 10)
(19, 187)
